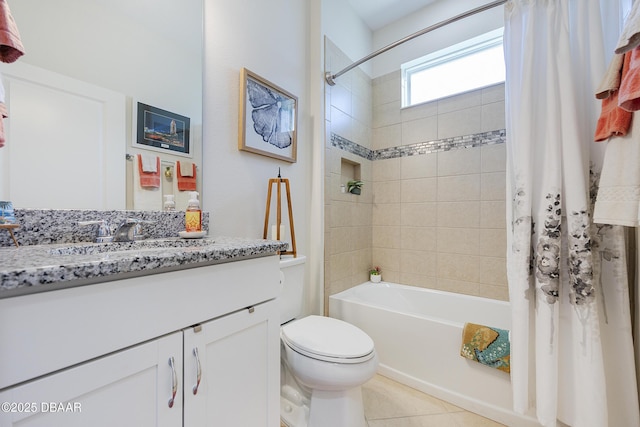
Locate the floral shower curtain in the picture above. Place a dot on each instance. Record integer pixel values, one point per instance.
(572, 351)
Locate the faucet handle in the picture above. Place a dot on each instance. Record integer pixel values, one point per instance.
(103, 234)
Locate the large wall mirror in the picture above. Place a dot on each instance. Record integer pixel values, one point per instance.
(123, 52)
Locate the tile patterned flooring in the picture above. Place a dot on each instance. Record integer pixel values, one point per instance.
(388, 403)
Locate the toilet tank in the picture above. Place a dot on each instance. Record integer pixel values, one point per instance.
(291, 297)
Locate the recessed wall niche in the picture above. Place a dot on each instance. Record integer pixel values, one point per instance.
(349, 171)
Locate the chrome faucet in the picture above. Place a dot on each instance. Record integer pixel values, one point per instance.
(130, 230)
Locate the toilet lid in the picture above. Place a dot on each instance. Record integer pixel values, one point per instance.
(326, 338)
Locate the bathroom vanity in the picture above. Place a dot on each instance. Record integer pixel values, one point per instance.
(190, 342)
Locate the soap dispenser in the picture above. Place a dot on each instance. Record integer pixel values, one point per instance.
(193, 215)
(169, 203)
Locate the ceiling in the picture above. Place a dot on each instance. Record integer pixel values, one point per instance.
(379, 13)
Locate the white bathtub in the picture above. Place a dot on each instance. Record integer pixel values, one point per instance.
(417, 334)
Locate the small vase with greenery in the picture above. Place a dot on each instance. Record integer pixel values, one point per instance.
(375, 274)
(354, 186)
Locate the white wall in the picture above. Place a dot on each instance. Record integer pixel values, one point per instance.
(270, 38)
(343, 27)
(435, 40)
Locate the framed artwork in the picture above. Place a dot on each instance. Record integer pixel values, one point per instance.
(268, 118)
(162, 130)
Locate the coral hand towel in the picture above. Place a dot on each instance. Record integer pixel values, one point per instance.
(629, 93)
(186, 183)
(149, 179)
(614, 121)
(10, 44)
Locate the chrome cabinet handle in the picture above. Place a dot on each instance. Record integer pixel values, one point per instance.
(174, 381)
(198, 371)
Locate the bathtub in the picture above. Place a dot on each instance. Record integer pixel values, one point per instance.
(417, 334)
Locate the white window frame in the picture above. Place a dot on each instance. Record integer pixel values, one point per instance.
(443, 56)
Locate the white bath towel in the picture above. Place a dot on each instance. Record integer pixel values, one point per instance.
(630, 36)
(149, 163)
(618, 199)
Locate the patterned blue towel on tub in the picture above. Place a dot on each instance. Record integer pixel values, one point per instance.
(486, 345)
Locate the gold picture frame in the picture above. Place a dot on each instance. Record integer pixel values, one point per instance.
(268, 118)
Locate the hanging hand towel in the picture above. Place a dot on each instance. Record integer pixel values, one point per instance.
(629, 93)
(611, 81)
(630, 36)
(149, 163)
(186, 183)
(489, 346)
(10, 44)
(613, 120)
(149, 179)
(186, 169)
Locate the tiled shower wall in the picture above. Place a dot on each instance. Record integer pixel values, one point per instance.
(439, 207)
(432, 209)
(348, 231)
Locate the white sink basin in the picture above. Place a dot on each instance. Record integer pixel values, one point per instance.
(98, 248)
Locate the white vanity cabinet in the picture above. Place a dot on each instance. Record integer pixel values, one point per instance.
(98, 355)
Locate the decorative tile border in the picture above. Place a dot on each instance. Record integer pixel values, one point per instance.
(446, 144)
(351, 147)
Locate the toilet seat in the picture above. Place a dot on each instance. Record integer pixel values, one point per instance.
(328, 339)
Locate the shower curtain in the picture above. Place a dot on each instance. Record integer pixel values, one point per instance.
(572, 350)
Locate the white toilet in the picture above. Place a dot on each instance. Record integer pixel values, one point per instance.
(324, 361)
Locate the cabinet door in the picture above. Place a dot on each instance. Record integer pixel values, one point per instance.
(239, 359)
(128, 388)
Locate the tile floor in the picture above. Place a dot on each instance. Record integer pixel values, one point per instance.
(391, 404)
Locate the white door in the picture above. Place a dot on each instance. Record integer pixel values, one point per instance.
(128, 388)
(239, 357)
(65, 142)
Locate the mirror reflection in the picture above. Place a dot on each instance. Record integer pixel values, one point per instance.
(72, 101)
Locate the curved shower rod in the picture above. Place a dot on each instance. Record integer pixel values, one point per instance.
(330, 78)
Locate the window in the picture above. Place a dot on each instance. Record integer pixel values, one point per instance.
(469, 65)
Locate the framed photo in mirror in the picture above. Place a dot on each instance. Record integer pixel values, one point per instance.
(268, 118)
(162, 130)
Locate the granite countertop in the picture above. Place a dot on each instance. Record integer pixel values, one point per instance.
(47, 267)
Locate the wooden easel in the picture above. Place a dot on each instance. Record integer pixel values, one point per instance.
(278, 181)
(9, 228)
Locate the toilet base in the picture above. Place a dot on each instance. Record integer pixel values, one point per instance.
(337, 408)
(292, 414)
